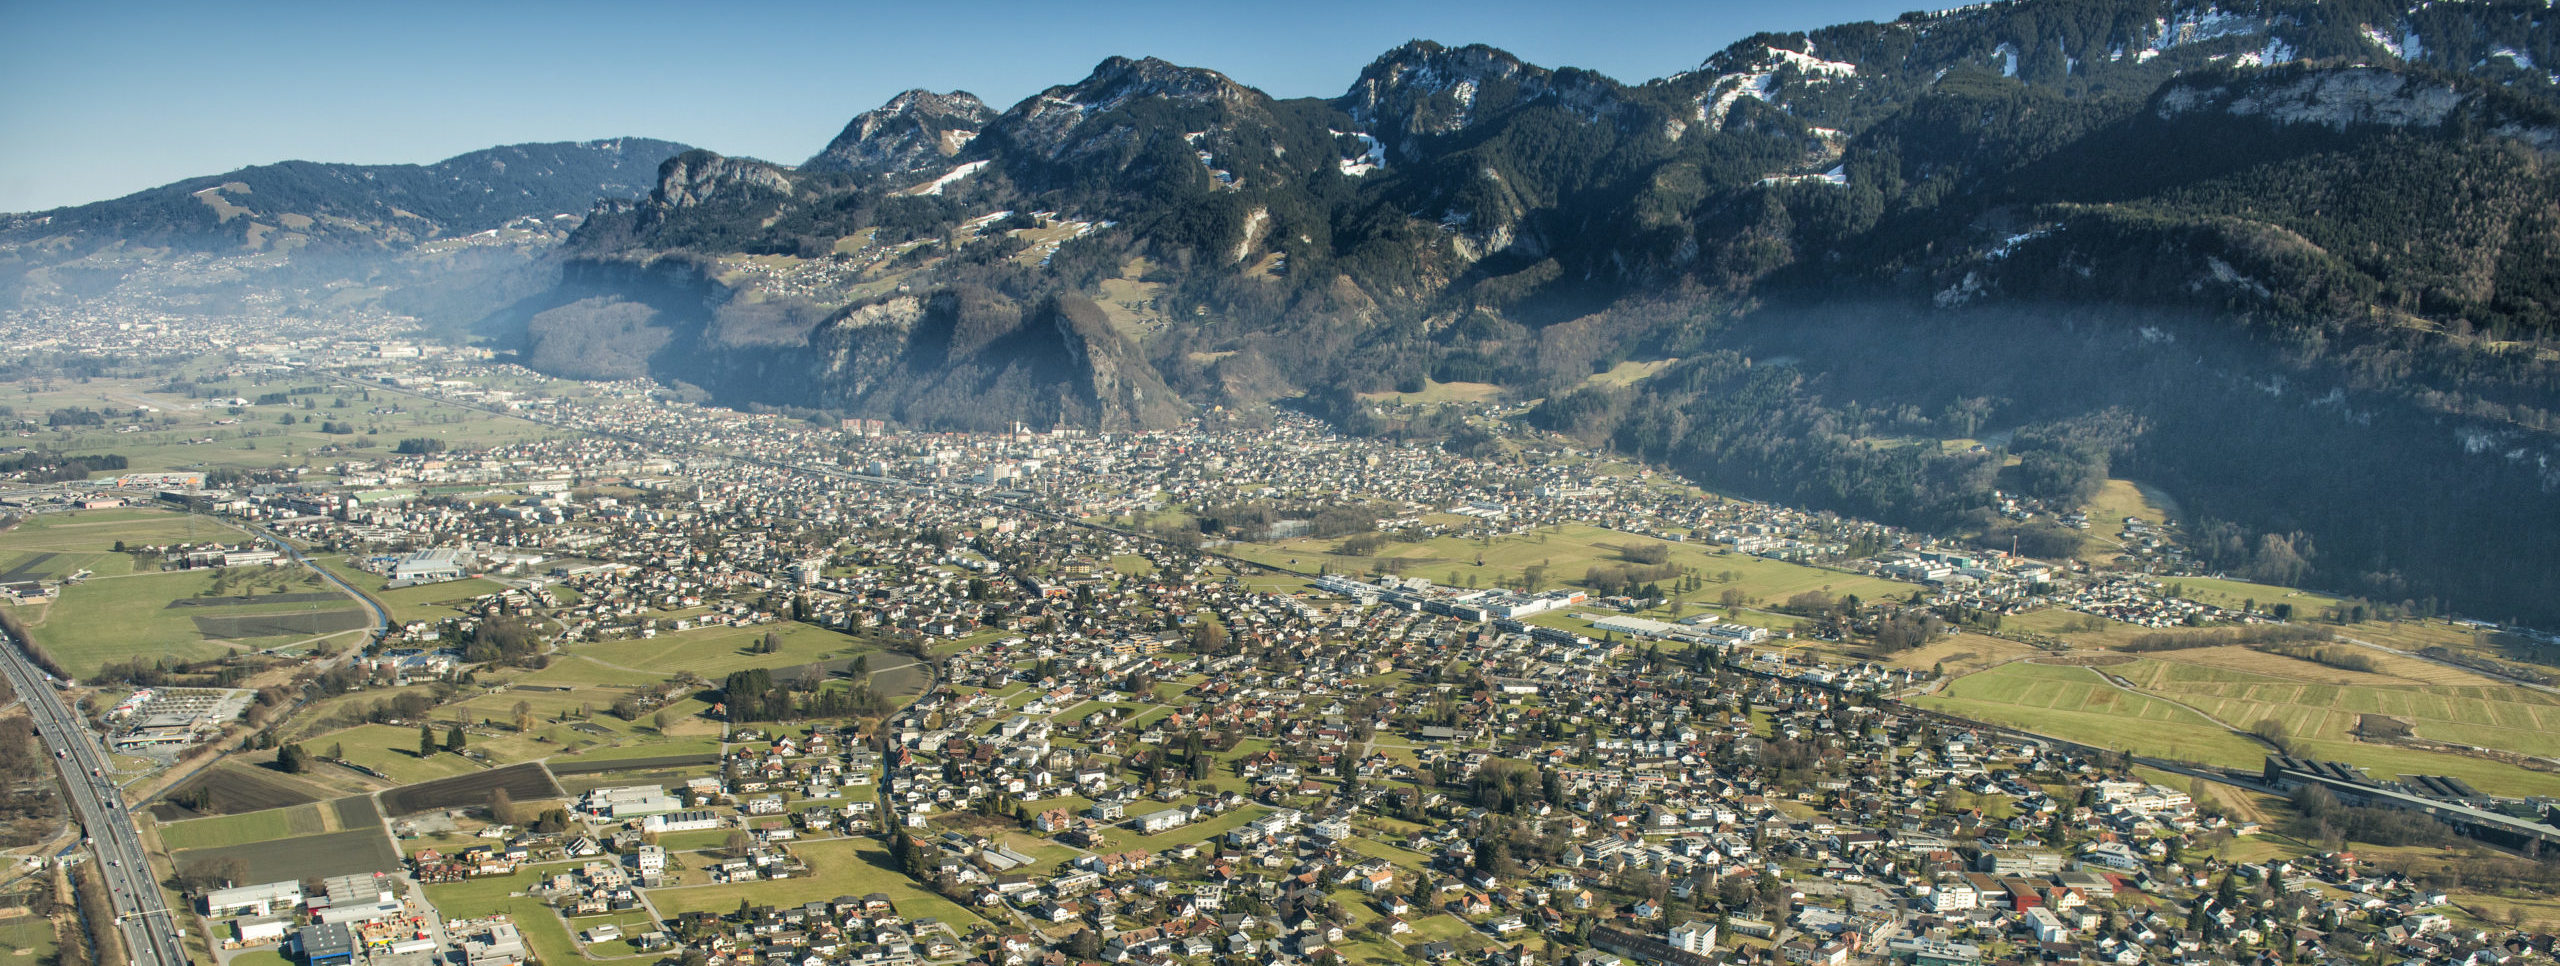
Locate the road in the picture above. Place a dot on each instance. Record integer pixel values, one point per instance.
(150, 931)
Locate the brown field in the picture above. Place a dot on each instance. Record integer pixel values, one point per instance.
(583, 783)
(283, 625)
(634, 764)
(1964, 654)
(236, 788)
(524, 782)
(312, 856)
(357, 811)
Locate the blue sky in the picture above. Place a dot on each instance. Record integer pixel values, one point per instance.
(99, 99)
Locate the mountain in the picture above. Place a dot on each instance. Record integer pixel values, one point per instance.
(2294, 261)
(914, 131)
(301, 222)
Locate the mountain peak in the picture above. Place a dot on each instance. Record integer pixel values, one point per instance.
(915, 130)
(1423, 88)
(1086, 116)
(1119, 79)
(698, 176)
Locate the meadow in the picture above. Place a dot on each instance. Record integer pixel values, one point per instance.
(2076, 704)
(208, 434)
(424, 602)
(2187, 703)
(504, 894)
(391, 750)
(1568, 552)
(222, 831)
(178, 615)
(841, 866)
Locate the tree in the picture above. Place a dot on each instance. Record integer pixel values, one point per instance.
(291, 760)
(453, 739)
(502, 807)
(524, 716)
(2272, 732)
(426, 740)
(738, 842)
(1085, 944)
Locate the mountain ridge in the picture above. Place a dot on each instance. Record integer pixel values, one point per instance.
(1461, 215)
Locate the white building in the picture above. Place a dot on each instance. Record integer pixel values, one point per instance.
(693, 821)
(260, 900)
(1695, 937)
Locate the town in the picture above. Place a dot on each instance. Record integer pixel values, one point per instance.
(637, 679)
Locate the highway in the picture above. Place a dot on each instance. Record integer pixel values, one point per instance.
(150, 931)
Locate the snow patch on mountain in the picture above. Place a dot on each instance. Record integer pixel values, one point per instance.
(2191, 27)
(1838, 175)
(2389, 45)
(1372, 156)
(949, 178)
(1758, 78)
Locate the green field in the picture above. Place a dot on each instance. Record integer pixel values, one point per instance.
(391, 750)
(475, 898)
(1437, 393)
(2322, 719)
(2233, 593)
(30, 937)
(845, 866)
(54, 546)
(2075, 704)
(715, 651)
(98, 530)
(196, 435)
(426, 602)
(124, 610)
(242, 829)
(1568, 552)
(2502, 717)
(101, 621)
